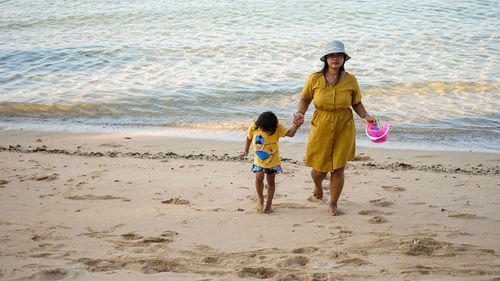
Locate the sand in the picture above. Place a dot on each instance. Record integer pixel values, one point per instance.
(129, 207)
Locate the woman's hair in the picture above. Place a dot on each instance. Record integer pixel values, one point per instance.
(267, 122)
(325, 68)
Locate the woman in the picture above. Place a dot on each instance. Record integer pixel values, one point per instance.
(332, 137)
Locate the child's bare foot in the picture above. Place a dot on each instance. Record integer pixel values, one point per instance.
(318, 193)
(334, 211)
(259, 208)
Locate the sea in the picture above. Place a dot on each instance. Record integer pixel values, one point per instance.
(206, 69)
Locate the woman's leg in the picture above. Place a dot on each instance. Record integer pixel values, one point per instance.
(318, 178)
(259, 186)
(336, 186)
(271, 187)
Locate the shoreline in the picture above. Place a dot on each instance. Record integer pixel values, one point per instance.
(443, 141)
(107, 206)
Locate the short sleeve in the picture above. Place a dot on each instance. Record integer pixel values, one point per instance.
(308, 92)
(356, 95)
(281, 130)
(250, 131)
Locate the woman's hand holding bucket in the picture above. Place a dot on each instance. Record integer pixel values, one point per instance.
(368, 120)
(375, 130)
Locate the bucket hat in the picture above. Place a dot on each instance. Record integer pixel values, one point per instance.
(335, 47)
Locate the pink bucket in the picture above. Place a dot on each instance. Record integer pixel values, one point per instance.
(377, 135)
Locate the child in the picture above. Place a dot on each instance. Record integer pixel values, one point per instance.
(265, 134)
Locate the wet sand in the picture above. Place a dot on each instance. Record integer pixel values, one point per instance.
(127, 207)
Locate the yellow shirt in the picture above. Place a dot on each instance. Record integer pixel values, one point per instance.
(332, 138)
(266, 149)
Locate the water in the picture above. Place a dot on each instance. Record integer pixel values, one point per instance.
(208, 68)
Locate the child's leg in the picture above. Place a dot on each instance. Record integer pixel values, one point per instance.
(259, 186)
(271, 186)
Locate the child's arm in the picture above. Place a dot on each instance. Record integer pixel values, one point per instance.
(291, 132)
(247, 147)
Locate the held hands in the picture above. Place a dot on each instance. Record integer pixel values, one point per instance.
(298, 118)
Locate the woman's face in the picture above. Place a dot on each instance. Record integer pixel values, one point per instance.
(335, 60)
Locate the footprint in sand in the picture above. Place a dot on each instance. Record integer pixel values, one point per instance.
(435, 248)
(392, 188)
(377, 220)
(380, 202)
(354, 261)
(257, 272)
(52, 274)
(45, 177)
(169, 234)
(131, 236)
(291, 206)
(417, 203)
(374, 213)
(157, 265)
(211, 260)
(304, 250)
(456, 234)
(465, 216)
(165, 237)
(190, 166)
(100, 265)
(96, 197)
(208, 209)
(335, 255)
(176, 201)
(152, 240)
(101, 234)
(342, 234)
(3, 182)
(362, 157)
(293, 261)
(417, 247)
(37, 237)
(112, 144)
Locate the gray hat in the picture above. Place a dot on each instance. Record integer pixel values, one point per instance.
(335, 47)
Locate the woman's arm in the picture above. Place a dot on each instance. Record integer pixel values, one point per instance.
(303, 105)
(361, 111)
(298, 117)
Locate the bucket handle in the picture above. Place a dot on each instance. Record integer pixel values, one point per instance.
(376, 138)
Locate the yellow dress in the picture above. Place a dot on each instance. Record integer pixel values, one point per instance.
(332, 139)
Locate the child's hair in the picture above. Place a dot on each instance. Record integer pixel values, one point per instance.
(267, 122)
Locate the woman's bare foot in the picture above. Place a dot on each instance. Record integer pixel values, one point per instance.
(334, 211)
(318, 193)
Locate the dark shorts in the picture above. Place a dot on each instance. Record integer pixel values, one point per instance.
(269, 171)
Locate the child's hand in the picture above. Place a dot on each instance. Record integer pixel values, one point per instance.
(298, 118)
(298, 122)
(243, 155)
